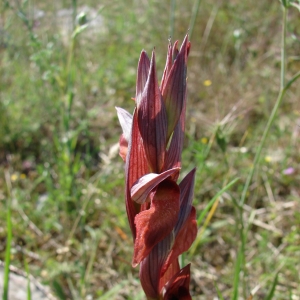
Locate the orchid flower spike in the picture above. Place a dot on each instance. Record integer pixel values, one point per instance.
(160, 211)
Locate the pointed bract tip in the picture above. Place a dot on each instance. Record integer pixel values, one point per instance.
(178, 286)
(143, 52)
(185, 43)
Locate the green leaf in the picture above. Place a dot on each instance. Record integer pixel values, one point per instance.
(58, 290)
(285, 3)
(219, 293)
(8, 240)
(213, 200)
(295, 5)
(207, 208)
(114, 291)
(28, 280)
(78, 30)
(237, 270)
(221, 140)
(273, 288)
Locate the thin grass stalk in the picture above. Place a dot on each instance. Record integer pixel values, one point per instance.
(274, 111)
(72, 289)
(28, 280)
(67, 112)
(206, 152)
(283, 48)
(7, 254)
(194, 17)
(218, 292)
(209, 209)
(8, 239)
(27, 22)
(216, 202)
(114, 291)
(236, 280)
(86, 278)
(69, 88)
(242, 265)
(78, 218)
(74, 5)
(243, 230)
(172, 17)
(208, 28)
(271, 119)
(273, 288)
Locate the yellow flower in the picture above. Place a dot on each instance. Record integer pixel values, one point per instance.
(44, 273)
(204, 140)
(14, 177)
(23, 176)
(268, 158)
(207, 82)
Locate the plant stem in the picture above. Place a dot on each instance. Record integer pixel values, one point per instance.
(74, 5)
(194, 17)
(274, 111)
(283, 49)
(243, 234)
(282, 92)
(172, 17)
(8, 239)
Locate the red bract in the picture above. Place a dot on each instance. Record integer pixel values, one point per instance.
(160, 212)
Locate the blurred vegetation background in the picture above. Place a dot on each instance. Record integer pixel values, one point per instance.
(65, 65)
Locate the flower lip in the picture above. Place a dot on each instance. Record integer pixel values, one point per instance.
(143, 186)
(154, 224)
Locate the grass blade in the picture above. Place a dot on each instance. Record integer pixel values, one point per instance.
(273, 288)
(172, 17)
(113, 291)
(219, 293)
(7, 253)
(28, 281)
(237, 275)
(214, 199)
(8, 239)
(58, 290)
(194, 17)
(210, 206)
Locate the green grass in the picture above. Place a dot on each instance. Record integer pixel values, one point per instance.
(8, 240)
(58, 131)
